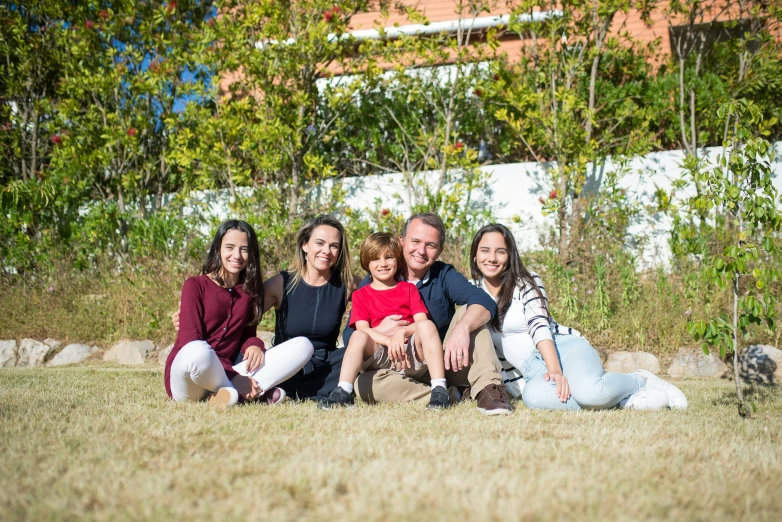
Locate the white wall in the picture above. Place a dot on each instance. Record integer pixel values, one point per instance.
(514, 188)
(512, 194)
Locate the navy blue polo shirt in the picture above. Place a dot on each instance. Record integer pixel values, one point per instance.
(443, 289)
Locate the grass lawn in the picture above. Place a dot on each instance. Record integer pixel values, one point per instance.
(102, 442)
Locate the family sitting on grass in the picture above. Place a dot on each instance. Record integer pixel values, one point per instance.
(418, 329)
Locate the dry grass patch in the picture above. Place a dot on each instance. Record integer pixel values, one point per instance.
(103, 443)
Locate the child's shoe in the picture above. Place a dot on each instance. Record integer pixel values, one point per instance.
(440, 399)
(338, 398)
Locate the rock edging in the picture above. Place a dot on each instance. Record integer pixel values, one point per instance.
(759, 364)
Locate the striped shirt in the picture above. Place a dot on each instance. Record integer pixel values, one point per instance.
(526, 324)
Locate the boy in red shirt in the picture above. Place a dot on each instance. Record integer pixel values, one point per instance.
(413, 346)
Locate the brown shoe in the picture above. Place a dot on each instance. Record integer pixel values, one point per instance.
(492, 400)
(223, 398)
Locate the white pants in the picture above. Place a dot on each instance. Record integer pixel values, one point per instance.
(196, 370)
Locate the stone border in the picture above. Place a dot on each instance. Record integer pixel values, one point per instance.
(758, 363)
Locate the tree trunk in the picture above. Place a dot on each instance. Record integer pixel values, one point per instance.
(562, 216)
(576, 219)
(123, 225)
(293, 197)
(34, 146)
(744, 410)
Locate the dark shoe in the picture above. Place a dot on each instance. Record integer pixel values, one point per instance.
(465, 391)
(492, 400)
(440, 399)
(338, 398)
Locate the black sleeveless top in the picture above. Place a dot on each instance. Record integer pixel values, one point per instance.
(314, 312)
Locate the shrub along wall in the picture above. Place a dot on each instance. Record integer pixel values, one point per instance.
(112, 109)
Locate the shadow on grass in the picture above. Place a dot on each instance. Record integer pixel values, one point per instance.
(760, 394)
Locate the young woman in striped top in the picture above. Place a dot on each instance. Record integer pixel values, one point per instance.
(560, 369)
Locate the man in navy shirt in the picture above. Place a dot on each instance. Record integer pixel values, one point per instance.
(469, 354)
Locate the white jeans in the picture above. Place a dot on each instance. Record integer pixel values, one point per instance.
(196, 369)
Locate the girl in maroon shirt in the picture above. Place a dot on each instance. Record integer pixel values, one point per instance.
(219, 313)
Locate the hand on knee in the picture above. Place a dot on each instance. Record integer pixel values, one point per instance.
(539, 394)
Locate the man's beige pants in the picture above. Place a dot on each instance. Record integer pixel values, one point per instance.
(388, 385)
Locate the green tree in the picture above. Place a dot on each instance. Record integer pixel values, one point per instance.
(270, 104)
(741, 186)
(30, 72)
(720, 52)
(128, 67)
(576, 97)
(30, 69)
(429, 121)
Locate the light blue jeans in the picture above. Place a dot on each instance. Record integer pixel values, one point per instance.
(590, 387)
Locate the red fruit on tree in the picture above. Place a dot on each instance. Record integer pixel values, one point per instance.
(336, 9)
(496, 77)
(328, 15)
(56, 139)
(171, 6)
(385, 212)
(553, 194)
(132, 131)
(458, 145)
(89, 24)
(478, 92)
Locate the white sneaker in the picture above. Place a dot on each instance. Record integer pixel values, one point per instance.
(676, 398)
(224, 398)
(646, 399)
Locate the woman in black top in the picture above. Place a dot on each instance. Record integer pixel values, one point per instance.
(310, 301)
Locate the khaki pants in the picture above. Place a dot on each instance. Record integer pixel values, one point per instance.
(387, 385)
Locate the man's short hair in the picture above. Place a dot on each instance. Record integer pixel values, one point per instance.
(378, 244)
(428, 218)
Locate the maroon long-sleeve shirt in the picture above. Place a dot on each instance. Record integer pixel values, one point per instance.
(217, 315)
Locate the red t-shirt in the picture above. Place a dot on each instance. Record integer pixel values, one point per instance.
(375, 305)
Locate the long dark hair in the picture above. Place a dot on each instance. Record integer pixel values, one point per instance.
(513, 275)
(342, 265)
(250, 276)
